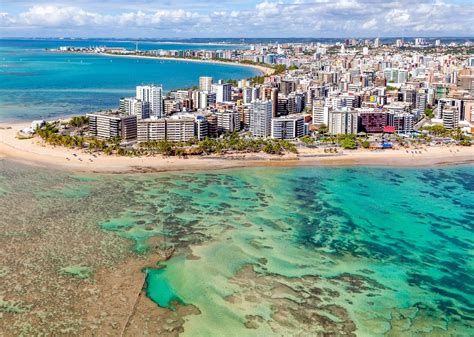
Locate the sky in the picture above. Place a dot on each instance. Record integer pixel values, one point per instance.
(239, 19)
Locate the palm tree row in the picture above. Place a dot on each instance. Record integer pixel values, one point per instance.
(230, 143)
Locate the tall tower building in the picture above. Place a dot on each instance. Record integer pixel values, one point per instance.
(274, 99)
(247, 95)
(223, 92)
(152, 94)
(205, 83)
(377, 43)
(261, 118)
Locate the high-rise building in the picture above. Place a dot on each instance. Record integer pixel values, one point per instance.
(287, 86)
(402, 122)
(261, 118)
(282, 108)
(372, 122)
(451, 117)
(420, 41)
(421, 101)
(342, 121)
(212, 128)
(320, 114)
(228, 121)
(288, 127)
(409, 96)
(295, 103)
(154, 96)
(274, 100)
(201, 127)
(205, 83)
(135, 107)
(223, 92)
(247, 95)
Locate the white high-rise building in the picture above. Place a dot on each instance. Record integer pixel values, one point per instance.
(223, 92)
(261, 118)
(228, 121)
(320, 114)
(451, 118)
(205, 83)
(134, 106)
(152, 94)
(247, 95)
(420, 41)
(343, 122)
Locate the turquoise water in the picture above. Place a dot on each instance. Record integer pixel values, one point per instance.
(35, 83)
(382, 252)
(282, 252)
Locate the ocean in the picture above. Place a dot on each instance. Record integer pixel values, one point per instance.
(265, 251)
(35, 83)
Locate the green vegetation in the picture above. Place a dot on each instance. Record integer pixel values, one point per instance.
(257, 79)
(80, 272)
(465, 141)
(293, 67)
(365, 144)
(13, 307)
(279, 69)
(437, 130)
(347, 141)
(456, 134)
(429, 113)
(323, 129)
(230, 143)
(50, 135)
(391, 88)
(234, 83)
(307, 140)
(255, 63)
(78, 121)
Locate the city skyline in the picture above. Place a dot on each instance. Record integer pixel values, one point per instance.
(191, 19)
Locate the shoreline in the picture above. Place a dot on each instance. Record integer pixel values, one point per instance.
(34, 152)
(263, 70)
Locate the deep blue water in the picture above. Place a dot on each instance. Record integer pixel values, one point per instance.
(35, 83)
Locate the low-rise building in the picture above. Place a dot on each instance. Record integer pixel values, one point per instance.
(288, 127)
(151, 129)
(179, 129)
(112, 124)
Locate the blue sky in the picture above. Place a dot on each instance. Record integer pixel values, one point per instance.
(229, 18)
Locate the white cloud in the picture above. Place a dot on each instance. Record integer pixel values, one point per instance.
(372, 23)
(50, 15)
(317, 18)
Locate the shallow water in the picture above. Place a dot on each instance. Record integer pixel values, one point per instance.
(370, 251)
